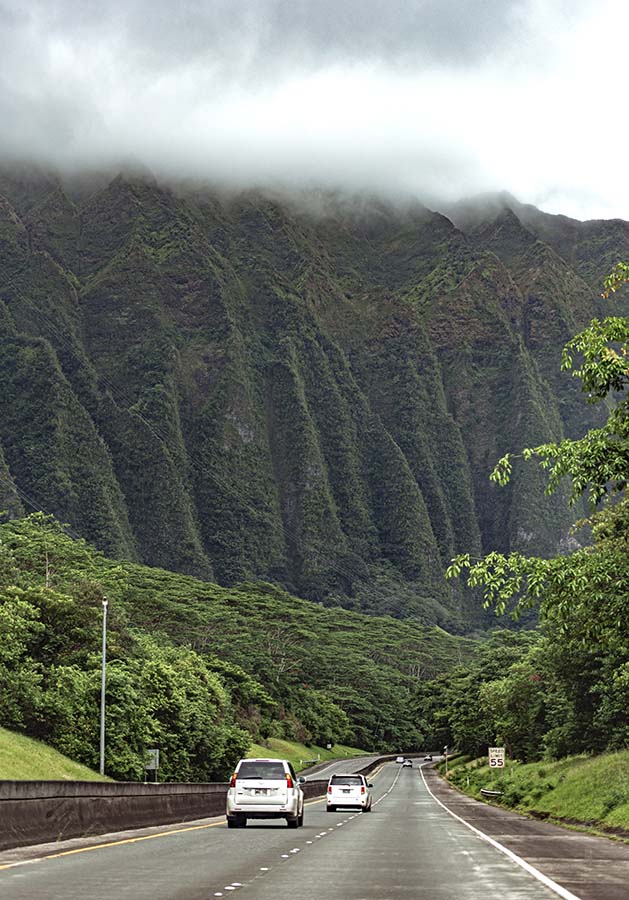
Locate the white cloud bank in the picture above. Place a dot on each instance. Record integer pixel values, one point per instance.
(442, 98)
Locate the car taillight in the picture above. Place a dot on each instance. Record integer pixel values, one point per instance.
(329, 789)
(232, 783)
(289, 780)
(362, 789)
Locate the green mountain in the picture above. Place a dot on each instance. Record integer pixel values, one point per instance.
(307, 392)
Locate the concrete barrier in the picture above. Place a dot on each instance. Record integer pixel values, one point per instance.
(35, 812)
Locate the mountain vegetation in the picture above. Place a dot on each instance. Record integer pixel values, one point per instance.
(231, 399)
(567, 690)
(305, 392)
(200, 671)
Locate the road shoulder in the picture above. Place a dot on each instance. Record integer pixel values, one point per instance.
(591, 867)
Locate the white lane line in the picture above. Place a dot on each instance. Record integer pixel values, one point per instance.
(544, 879)
(386, 793)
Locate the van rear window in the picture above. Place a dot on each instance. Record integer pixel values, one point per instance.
(347, 779)
(262, 770)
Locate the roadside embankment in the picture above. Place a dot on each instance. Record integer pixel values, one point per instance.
(591, 791)
(22, 757)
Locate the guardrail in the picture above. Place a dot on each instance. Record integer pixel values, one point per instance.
(36, 812)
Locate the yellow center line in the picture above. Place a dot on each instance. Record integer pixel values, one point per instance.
(134, 840)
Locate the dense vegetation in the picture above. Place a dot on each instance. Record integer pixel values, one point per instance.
(568, 689)
(194, 669)
(239, 387)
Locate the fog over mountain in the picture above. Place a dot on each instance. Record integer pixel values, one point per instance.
(440, 99)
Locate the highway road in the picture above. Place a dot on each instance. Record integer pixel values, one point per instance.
(410, 846)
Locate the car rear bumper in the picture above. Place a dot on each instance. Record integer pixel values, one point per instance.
(345, 803)
(263, 811)
(263, 814)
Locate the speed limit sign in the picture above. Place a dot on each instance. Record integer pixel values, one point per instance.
(496, 757)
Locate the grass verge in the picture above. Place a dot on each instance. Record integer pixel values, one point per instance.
(583, 790)
(24, 759)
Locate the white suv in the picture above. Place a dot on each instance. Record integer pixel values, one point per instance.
(349, 790)
(265, 789)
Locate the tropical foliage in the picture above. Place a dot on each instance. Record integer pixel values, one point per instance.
(194, 669)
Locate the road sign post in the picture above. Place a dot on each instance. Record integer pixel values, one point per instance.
(152, 762)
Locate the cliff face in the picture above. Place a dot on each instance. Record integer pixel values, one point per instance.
(239, 388)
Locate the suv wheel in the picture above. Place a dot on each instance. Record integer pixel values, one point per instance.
(331, 808)
(300, 819)
(293, 822)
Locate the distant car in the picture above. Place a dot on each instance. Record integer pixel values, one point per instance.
(399, 759)
(265, 789)
(407, 763)
(428, 758)
(348, 790)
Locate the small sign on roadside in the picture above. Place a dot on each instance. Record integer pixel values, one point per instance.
(152, 760)
(496, 757)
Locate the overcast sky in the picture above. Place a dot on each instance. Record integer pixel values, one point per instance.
(442, 98)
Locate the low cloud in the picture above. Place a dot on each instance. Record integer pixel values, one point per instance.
(442, 99)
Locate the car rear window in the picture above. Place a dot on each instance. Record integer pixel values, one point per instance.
(261, 770)
(346, 779)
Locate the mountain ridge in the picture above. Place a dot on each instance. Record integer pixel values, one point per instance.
(240, 388)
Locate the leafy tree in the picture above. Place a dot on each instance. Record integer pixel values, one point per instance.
(20, 674)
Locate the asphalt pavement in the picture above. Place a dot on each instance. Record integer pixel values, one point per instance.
(410, 846)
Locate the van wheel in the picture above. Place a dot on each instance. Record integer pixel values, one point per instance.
(331, 808)
(300, 820)
(293, 823)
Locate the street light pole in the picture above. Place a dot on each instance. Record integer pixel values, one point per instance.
(102, 690)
